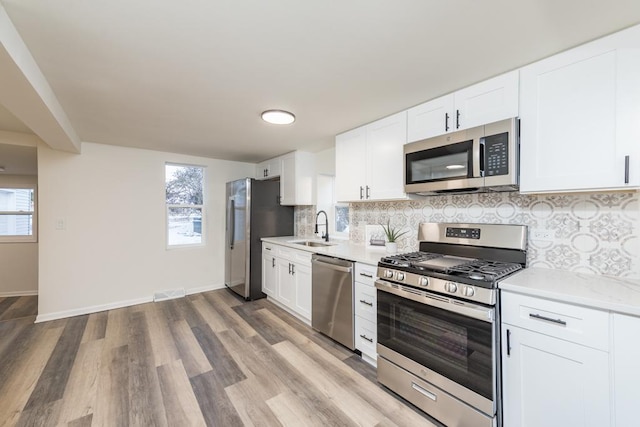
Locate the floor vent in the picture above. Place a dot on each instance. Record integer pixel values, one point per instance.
(170, 294)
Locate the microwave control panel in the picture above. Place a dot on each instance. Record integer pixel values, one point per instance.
(496, 154)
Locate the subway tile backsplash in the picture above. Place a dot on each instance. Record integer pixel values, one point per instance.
(595, 233)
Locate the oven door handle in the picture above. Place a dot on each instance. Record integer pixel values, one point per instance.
(485, 314)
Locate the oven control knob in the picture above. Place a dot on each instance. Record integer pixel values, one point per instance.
(450, 287)
(468, 291)
(388, 274)
(424, 281)
(399, 276)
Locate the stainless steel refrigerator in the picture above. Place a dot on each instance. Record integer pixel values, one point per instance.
(253, 212)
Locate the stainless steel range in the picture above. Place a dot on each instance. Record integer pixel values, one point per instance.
(438, 326)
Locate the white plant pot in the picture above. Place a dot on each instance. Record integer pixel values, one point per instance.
(392, 247)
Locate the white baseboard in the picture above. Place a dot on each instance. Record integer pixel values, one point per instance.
(111, 306)
(207, 288)
(18, 293)
(92, 309)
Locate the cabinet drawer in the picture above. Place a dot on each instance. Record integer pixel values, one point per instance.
(365, 302)
(268, 248)
(366, 336)
(365, 273)
(569, 322)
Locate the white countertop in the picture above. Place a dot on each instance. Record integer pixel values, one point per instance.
(601, 292)
(339, 249)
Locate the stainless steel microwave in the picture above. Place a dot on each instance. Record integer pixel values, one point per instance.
(483, 158)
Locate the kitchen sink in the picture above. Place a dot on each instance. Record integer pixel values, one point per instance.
(313, 243)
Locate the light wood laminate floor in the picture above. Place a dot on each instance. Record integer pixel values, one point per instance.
(207, 359)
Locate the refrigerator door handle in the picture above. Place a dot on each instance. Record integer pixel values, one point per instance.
(232, 222)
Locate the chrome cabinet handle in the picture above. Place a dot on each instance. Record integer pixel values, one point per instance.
(508, 342)
(370, 304)
(457, 119)
(361, 190)
(626, 169)
(547, 319)
(370, 276)
(368, 192)
(273, 262)
(446, 122)
(364, 337)
(293, 269)
(289, 268)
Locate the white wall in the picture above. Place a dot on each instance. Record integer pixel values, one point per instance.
(112, 250)
(326, 161)
(19, 261)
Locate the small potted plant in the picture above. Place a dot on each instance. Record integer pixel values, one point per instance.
(392, 234)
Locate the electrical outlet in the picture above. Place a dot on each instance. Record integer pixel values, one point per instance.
(542, 234)
(60, 224)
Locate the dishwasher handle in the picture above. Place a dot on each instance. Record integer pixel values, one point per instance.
(327, 264)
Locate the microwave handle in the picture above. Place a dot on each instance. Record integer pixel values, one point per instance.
(478, 157)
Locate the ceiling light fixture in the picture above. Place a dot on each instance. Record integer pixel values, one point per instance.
(278, 117)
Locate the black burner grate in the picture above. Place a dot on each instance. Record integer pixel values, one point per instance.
(486, 270)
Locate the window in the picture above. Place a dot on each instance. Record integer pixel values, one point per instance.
(338, 213)
(17, 215)
(342, 218)
(185, 204)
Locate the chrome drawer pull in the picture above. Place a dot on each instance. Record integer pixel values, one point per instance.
(424, 392)
(370, 304)
(364, 337)
(370, 276)
(548, 319)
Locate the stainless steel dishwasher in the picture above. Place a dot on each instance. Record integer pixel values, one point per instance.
(332, 298)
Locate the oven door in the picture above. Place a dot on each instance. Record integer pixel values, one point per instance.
(444, 163)
(449, 343)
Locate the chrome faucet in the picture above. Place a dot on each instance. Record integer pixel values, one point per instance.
(325, 235)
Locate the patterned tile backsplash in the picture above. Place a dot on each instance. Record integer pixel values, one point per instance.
(595, 233)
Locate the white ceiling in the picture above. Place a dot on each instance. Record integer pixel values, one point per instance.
(193, 76)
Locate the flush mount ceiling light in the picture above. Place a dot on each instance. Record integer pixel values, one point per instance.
(455, 166)
(278, 117)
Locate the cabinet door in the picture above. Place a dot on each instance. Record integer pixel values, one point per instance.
(551, 382)
(269, 279)
(286, 288)
(626, 354)
(385, 158)
(350, 165)
(302, 279)
(486, 102)
(268, 169)
(288, 180)
(432, 118)
(579, 113)
(262, 170)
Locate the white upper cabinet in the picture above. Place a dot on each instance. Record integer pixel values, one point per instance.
(580, 118)
(351, 172)
(296, 178)
(369, 161)
(268, 169)
(486, 102)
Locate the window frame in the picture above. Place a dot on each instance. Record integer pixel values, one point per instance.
(33, 237)
(169, 206)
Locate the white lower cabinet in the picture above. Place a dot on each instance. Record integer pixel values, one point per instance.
(555, 366)
(365, 307)
(286, 279)
(551, 382)
(626, 370)
(269, 269)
